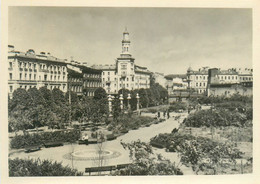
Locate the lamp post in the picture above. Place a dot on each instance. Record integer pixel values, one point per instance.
(110, 104)
(128, 99)
(121, 101)
(137, 104)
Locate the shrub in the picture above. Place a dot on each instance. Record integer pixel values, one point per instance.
(20, 167)
(22, 141)
(203, 154)
(175, 107)
(218, 117)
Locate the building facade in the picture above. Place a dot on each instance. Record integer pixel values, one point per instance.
(82, 79)
(198, 80)
(227, 83)
(160, 79)
(28, 70)
(124, 73)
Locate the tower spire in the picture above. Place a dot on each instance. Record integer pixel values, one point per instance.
(125, 43)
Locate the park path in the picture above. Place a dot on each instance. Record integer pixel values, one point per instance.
(143, 133)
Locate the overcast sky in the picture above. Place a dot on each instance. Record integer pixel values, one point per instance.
(166, 40)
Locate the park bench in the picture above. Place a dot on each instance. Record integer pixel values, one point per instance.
(52, 144)
(105, 168)
(32, 149)
(99, 169)
(92, 141)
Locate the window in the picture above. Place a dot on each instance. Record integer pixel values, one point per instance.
(127, 79)
(115, 85)
(34, 76)
(196, 77)
(11, 89)
(108, 78)
(123, 67)
(108, 73)
(10, 65)
(133, 78)
(30, 76)
(196, 84)
(25, 76)
(126, 85)
(10, 76)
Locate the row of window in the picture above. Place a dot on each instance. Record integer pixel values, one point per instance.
(30, 86)
(92, 84)
(90, 75)
(227, 77)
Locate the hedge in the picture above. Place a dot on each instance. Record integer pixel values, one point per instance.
(36, 139)
(20, 167)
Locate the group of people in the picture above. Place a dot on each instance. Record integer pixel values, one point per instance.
(166, 113)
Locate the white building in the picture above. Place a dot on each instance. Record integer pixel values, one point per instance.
(124, 73)
(28, 70)
(160, 79)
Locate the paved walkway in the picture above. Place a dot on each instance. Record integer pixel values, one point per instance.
(144, 134)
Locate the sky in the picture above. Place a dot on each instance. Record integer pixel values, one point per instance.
(166, 40)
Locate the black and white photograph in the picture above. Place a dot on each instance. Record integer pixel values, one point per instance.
(94, 91)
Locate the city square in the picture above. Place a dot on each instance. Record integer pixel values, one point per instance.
(107, 92)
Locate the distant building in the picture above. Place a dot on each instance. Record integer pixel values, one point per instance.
(124, 73)
(245, 75)
(227, 83)
(83, 80)
(28, 70)
(160, 79)
(225, 89)
(176, 82)
(198, 80)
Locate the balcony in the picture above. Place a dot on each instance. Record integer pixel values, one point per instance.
(44, 70)
(10, 69)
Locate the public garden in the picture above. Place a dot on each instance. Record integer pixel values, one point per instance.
(133, 133)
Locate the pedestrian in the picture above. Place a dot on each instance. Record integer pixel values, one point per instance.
(158, 114)
(164, 114)
(168, 114)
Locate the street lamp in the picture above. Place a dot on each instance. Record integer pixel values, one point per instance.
(110, 104)
(128, 99)
(137, 104)
(121, 101)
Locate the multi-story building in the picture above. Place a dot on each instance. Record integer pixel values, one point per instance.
(245, 75)
(83, 79)
(227, 83)
(198, 79)
(124, 73)
(28, 70)
(176, 82)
